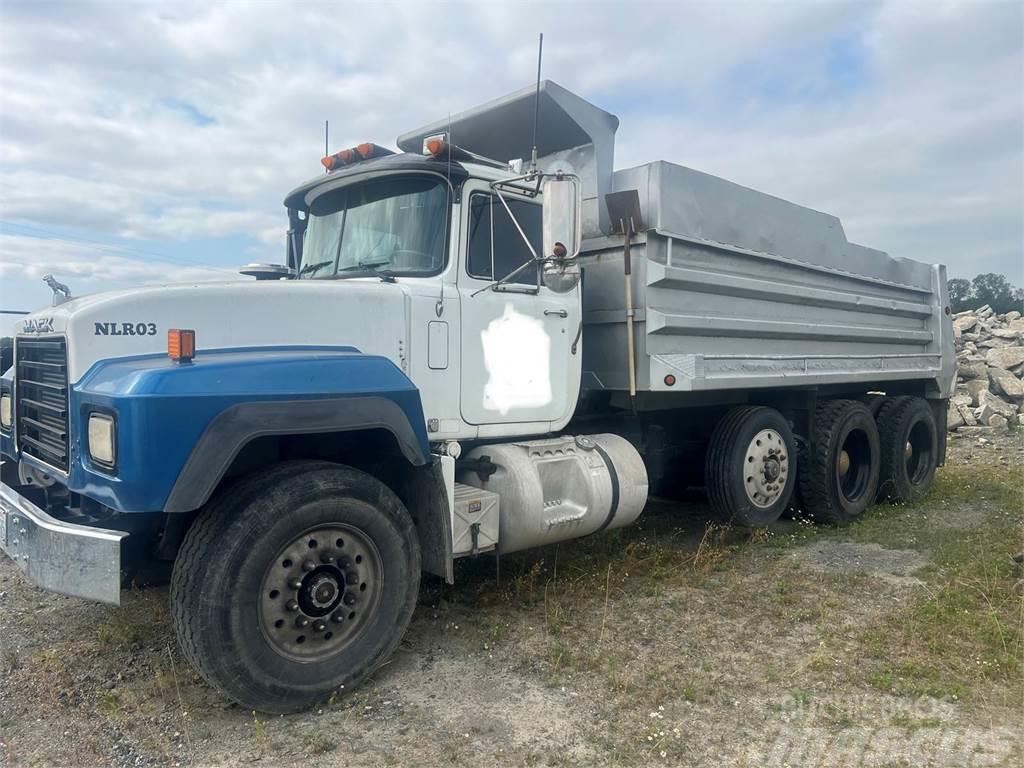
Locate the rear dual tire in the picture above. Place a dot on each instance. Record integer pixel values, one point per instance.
(909, 444)
(839, 470)
(750, 467)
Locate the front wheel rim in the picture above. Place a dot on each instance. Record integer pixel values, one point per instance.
(765, 468)
(320, 592)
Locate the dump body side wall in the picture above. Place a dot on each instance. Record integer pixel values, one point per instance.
(723, 315)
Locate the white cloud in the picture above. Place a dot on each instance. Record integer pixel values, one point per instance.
(920, 156)
(88, 267)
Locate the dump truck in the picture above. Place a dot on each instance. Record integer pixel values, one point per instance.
(486, 341)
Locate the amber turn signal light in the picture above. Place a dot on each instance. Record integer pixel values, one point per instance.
(181, 345)
(434, 145)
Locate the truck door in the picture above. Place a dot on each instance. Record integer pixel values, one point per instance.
(517, 363)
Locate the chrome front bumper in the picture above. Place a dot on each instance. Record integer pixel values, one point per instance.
(62, 557)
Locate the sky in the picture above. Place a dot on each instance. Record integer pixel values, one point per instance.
(143, 142)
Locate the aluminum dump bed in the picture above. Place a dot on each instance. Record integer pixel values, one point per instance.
(732, 288)
(735, 288)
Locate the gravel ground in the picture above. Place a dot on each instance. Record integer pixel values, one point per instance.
(675, 643)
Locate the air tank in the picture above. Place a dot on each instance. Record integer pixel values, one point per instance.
(559, 488)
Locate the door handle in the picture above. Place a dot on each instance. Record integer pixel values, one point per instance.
(559, 312)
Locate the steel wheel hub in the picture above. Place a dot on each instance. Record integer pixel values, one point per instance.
(319, 592)
(766, 468)
(844, 463)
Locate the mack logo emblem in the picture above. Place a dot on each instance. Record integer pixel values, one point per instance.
(125, 329)
(38, 325)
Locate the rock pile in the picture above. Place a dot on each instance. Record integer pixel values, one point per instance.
(990, 364)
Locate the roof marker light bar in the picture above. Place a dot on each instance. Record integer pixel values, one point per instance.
(365, 151)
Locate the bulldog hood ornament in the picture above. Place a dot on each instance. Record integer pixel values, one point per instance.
(61, 292)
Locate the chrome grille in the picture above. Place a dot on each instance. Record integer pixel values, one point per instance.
(41, 392)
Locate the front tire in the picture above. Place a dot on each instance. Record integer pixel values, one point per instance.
(839, 471)
(294, 584)
(750, 467)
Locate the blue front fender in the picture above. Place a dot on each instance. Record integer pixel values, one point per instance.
(166, 412)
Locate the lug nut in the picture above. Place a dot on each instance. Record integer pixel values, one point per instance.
(292, 605)
(309, 565)
(301, 621)
(327, 559)
(319, 626)
(350, 599)
(337, 618)
(295, 584)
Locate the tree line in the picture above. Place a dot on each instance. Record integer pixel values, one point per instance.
(989, 288)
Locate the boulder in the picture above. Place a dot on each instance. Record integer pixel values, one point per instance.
(991, 403)
(1008, 333)
(965, 323)
(1005, 358)
(994, 342)
(1011, 316)
(963, 410)
(967, 431)
(976, 387)
(969, 370)
(998, 422)
(954, 419)
(1004, 383)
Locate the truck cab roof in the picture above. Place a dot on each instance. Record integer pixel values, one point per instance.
(299, 198)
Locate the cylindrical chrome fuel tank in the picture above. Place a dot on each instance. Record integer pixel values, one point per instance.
(560, 488)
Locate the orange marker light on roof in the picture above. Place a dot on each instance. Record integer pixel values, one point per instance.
(434, 145)
(365, 151)
(181, 345)
(338, 159)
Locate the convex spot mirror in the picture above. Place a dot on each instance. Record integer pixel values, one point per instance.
(561, 216)
(561, 232)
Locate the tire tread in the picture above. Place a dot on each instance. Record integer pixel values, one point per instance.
(815, 467)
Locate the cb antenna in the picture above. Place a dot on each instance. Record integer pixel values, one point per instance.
(327, 143)
(536, 103)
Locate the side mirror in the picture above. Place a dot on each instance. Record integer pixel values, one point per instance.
(562, 220)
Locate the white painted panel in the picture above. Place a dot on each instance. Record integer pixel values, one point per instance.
(437, 345)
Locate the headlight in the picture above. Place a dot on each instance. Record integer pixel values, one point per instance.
(102, 439)
(6, 419)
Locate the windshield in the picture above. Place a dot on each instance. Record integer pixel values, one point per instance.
(391, 226)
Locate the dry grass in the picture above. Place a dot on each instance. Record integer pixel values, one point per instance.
(679, 641)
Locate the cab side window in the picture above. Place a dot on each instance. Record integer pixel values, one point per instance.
(496, 249)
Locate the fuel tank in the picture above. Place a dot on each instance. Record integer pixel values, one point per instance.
(559, 488)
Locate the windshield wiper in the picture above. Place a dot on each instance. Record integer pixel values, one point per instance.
(314, 267)
(364, 265)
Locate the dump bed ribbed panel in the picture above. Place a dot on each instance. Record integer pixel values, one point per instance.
(755, 292)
